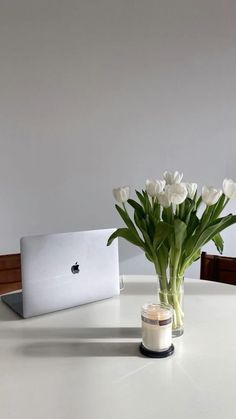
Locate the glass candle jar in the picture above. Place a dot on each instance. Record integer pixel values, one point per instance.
(157, 329)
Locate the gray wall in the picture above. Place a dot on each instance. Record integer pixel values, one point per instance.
(100, 93)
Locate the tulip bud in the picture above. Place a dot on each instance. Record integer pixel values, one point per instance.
(229, 188)
(154, 187)
(177, 193)
(121, 195)
(191, 188)
(172, 178)
(210, 195)
(163, 199)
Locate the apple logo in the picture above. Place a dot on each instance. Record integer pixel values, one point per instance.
(75, 268)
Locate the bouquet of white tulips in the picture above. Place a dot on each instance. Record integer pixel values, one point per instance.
(165, 223)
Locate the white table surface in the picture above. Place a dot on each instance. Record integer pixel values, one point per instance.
(84, 362)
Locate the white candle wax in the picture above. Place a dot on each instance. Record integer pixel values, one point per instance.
(156, 327)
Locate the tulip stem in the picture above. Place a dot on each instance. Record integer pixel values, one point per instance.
(177, 211)
(123, 204)
(226, 202)
(172, 295)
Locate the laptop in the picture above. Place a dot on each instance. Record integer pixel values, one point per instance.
(64, 270)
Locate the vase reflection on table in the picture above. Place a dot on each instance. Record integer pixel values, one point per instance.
(165, 223)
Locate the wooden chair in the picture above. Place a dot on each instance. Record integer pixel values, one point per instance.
(10, 273)
(218, 268)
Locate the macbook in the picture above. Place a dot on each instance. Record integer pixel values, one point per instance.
(65, 270)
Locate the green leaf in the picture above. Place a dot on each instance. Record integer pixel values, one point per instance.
(162, 231)
(167, 214)
(144, 221)
(125, 216)
(149, 257)
(182, 209)
(150, 223)
(156, 211)
(139, 221)
(141, 224)
(210, 231)
(163, 258)
(125, 234)
(180, 229)
(185, 263)
(137, 207)
(189, 210)
(219, 243)
(147, 206)
(192, 224)
(218, 207)
(196, 256)
(198, 203)
(141, 198)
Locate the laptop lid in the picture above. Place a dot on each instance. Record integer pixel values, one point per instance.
(65, 270)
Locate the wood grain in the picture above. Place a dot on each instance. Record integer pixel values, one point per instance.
(218, 268)
(10, 273)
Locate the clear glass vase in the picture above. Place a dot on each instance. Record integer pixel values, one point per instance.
(171, 292)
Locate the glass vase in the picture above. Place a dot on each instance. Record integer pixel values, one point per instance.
(171, 292)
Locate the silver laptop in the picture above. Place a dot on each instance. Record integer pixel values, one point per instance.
(65, 270)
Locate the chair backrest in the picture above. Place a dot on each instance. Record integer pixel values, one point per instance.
(10, 273)
(218, 268)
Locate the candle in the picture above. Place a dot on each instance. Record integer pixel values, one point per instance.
(156, 327)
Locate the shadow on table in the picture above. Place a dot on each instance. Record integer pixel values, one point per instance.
(72, 333)
(79, 349)
(6, 314)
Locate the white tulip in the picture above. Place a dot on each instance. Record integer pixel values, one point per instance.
(172, 178)
(229, 188)
(177, 193)
(191, 188)
(122, 194)
(154, 187)
(210, 195)
(163, 199)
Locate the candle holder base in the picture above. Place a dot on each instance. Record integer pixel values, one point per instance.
(155, 354)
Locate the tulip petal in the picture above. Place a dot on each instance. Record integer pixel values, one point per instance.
(210, 195)
(154, 187)
(177, 193)
(121, 194)
(172, 178)
(229, 188)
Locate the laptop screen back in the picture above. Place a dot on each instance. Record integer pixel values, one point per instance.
(65, 270)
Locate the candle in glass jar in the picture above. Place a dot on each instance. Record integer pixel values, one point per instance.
(156, 327)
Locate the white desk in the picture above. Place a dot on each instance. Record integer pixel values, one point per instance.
(84, 362)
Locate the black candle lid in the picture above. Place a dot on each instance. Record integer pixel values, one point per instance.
(156, 354)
